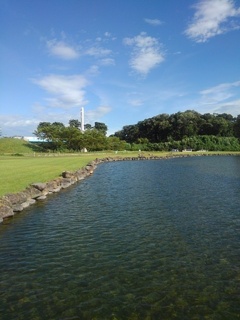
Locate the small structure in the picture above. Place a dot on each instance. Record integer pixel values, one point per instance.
(33, 139)
(82, 119)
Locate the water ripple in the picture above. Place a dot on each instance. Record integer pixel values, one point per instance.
(137, 240)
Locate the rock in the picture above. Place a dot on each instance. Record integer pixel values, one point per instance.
(67, 174)
(16, 198)
(39, 185)
(5, 208)
(31, 201)
(18, 208)
(41, 198)
(51, 186)
(32, 192)
(25, 204)
(57, 189)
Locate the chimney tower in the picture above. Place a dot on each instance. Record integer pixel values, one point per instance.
(82, 119)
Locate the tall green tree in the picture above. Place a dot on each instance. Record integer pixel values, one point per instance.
(52, 133)
(236, 127)
(100, 126)
(74, 123)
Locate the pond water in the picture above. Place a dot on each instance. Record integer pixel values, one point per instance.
(156, 239)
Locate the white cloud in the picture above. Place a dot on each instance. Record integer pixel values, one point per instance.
(107, 34)
(146, 53)
(223, 98)
(93, 70)
(135, 102)
(212, 17)
(61, 50)
(17, 125)
(107, 62)
(96, 114)
(219, 93)
(98, 51)
(67, 91)
(153, 22)
(232, 107)
(13, 121)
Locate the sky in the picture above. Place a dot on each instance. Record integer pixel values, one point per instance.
(123, 61)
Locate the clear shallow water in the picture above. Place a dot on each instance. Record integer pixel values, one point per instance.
(137, 240)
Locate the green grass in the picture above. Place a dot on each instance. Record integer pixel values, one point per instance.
(17, 146)
(18, 172)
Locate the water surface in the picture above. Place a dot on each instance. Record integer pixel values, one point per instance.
(137, 240)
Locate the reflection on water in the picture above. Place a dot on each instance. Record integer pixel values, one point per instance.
(137, 240)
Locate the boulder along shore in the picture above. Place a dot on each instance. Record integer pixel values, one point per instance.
(13, 203)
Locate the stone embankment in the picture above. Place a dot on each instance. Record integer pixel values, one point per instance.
(13, 203)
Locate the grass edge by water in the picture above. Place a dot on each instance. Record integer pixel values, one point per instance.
(19, 172)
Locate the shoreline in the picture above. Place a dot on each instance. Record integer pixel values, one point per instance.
(14, 203)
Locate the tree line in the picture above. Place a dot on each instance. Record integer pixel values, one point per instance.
(58, 137)
(181, 130)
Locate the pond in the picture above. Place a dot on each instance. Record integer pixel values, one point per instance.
(157, 239)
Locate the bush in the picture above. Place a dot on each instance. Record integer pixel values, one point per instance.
(17, 155)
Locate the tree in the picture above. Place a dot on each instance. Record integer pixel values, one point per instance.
(94, 140)
(88, 126)
(129, 133)
(114, 143)
(237, 127)
(74, 123)
(100, 126)
(73, 138)
(42, 131)
(52, 133)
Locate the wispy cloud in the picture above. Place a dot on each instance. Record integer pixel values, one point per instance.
(146, 53)
(16, 121)
(221, 99)
(66, 91)
(219, 93)
(107, 62)
(17, 125)
(97, 51)
(96, 114)
(212, 17)
(135, 102)
(62, 50)
(231, 107)
(153, 22)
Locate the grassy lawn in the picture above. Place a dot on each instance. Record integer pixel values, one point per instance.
(17, 172)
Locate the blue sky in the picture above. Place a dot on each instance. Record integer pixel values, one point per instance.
(123, 61)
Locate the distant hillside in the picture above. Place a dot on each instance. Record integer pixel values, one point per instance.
(11, 145)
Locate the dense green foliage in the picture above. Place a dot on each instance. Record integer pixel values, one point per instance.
(58, 137)
(183, 130)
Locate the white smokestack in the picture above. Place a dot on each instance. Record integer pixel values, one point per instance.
(82, 119)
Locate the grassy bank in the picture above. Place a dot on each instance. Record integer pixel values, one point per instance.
(21, 164)
(17, 172)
